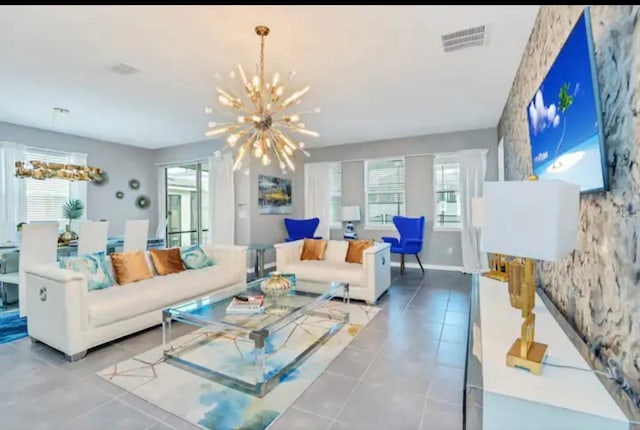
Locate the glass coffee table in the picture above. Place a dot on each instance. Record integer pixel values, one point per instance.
(252, 353)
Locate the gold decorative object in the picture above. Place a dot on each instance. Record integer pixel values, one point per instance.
(275, 285)
(261, 127)
(525, 352)
(498, 267)
(72, 172)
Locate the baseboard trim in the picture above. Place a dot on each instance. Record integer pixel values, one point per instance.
(429, 266)
(266, 266)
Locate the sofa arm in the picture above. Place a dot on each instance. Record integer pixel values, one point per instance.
(287, 253)
(377, 270)
(232, 256)
(58, 312)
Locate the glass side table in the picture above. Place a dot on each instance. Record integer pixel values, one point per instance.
(260, 249)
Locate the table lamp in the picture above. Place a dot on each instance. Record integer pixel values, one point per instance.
(529, 220)
(350, 214)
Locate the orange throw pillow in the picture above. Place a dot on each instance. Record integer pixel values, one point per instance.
(356, 250)
(166, 261)
(313, 249)
(130, 267)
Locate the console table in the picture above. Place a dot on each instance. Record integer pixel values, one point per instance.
(498, 397)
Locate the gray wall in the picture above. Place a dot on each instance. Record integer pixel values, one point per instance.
(270, 228)
(440, 248)
(596, 286)
(121, 163)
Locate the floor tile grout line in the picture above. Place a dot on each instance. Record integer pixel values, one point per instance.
(357, 384)
(77, 417)
(424, 407)
(293, 406)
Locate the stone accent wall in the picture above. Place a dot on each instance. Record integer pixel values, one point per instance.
(597, 287)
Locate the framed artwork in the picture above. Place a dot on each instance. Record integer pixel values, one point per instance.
(274, 195)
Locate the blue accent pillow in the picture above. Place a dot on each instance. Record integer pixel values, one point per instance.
(93, 266)
(194, 257)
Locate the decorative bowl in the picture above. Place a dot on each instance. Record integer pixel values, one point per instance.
(275, 285)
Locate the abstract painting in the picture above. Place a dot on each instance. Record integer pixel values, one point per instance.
(274, 195)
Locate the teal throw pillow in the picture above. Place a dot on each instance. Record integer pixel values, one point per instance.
(93, 266)
(194, 257)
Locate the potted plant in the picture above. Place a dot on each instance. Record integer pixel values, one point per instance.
(71, 210)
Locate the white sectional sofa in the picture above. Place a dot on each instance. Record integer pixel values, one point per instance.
(65, 315)
(367, 281)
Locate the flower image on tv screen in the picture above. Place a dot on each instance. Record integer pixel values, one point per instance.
(565, 119)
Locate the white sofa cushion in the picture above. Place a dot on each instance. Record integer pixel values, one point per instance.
(121, 302)
(336, 251)
(325, 271)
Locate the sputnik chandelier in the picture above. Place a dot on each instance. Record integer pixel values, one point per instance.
(262, 123)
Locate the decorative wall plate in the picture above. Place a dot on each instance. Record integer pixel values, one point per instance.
(101, 179)
(119, 194)
(134, 184)
(143, 202)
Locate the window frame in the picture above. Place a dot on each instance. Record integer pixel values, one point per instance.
(391, 226)
(444, 159)
(200, 229)
(335, 224)
(74, 191)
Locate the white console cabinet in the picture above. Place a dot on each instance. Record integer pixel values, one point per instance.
(498, 397)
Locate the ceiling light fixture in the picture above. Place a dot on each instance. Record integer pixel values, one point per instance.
(261, 126)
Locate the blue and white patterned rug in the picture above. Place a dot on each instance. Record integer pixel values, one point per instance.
(212, 405)
(12, 327)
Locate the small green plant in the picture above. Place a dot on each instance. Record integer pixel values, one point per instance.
(72, 209)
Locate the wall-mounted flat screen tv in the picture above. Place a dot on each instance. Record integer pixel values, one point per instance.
(565, 117)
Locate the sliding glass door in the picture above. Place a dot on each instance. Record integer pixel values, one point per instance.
(187, 204)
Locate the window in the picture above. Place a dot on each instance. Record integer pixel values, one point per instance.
(447, 193)
(187, 204)
(384, 187)
(44, 198)
(335, 209)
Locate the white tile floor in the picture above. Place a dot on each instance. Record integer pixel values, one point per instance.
(404, 371)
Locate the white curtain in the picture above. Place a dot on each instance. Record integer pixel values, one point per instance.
(221, 200)
(473, 168)
(317, 195)
(13, 206)
(161, 230)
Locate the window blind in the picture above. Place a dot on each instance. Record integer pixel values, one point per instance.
(447, 192)
(335, 208)
(46, 197)
(384, 191)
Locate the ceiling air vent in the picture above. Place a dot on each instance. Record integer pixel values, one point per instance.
(123, 69)
(463, 39)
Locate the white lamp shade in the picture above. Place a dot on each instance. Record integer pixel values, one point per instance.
(531, 219)
(477, 211)
(350, 213)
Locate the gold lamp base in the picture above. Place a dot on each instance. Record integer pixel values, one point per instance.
(498, 268)
(532, 362)
(498, 276)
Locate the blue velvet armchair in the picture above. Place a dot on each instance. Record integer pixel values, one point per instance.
(411, 236)
(301, 228)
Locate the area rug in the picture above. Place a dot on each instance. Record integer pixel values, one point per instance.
(212, 405)
(12, 327)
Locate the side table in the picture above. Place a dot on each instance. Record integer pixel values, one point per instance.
(260, 249)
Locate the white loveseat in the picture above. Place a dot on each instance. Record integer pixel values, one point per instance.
(65, 315)
(367, 281)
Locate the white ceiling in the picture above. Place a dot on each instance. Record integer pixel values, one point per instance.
(377, 71)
